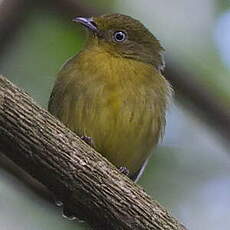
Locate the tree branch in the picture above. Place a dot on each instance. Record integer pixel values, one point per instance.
(76, 8)
(12, 15)
(90, 187)
(210, 106)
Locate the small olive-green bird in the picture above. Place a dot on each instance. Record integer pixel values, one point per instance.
(113, 91)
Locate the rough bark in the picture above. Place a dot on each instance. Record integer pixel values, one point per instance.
(90, 187)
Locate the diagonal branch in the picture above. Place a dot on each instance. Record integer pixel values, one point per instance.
(75, 8)
(210, 106)
(12, 15)
(90, 187)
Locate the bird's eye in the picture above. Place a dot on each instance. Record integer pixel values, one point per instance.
(119, 36)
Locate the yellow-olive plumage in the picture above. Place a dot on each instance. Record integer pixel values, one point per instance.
(113, 91)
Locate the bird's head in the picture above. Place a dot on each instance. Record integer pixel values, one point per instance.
(124, 36)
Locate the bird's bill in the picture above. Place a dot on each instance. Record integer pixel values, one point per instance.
(87, 22)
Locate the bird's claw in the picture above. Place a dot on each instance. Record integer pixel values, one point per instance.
(88, 140)
(124, 171)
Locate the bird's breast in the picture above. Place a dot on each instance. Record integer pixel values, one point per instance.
(120, 103)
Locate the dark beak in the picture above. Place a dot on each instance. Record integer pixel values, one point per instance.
(87, 22)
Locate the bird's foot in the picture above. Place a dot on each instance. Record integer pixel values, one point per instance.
(63, 199)
(124, 171)
(88, 140)
(68, 214)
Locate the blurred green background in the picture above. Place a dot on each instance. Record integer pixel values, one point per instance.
(189, 173)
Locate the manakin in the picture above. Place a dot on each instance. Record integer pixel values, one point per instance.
(113, 91)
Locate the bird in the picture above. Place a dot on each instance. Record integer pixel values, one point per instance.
(113, 92)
